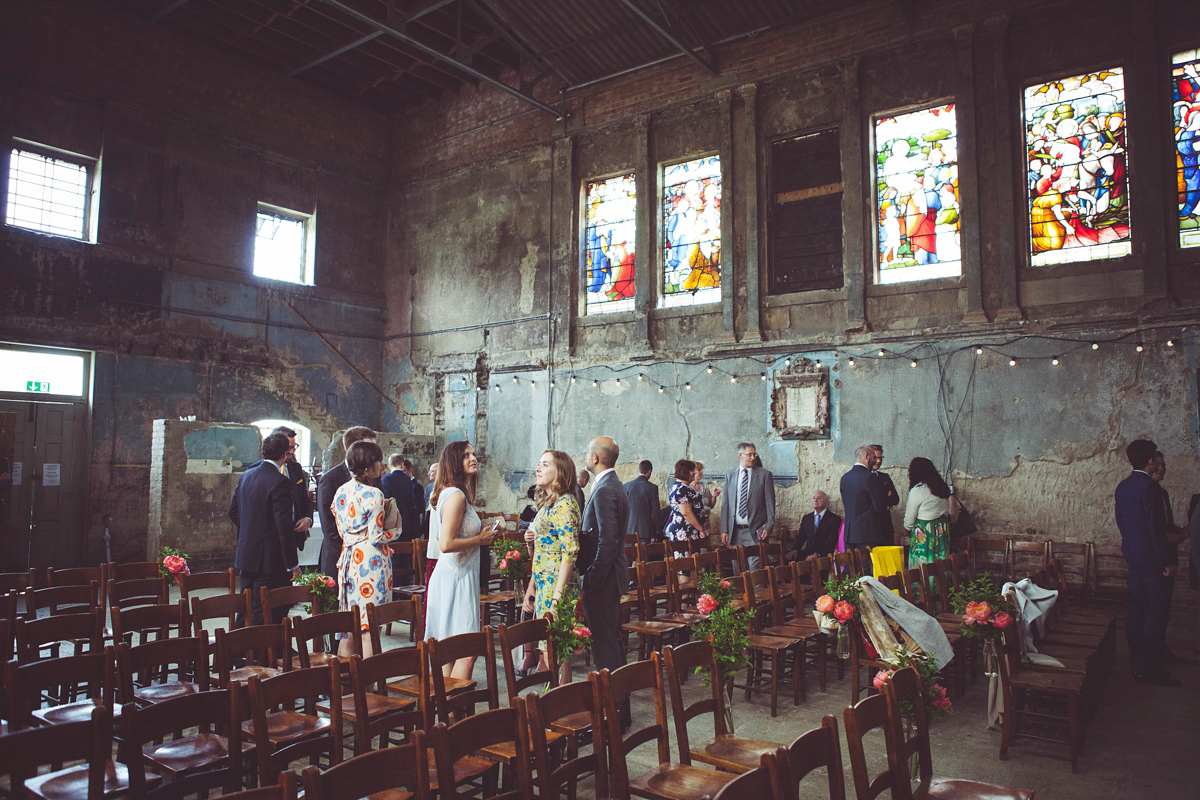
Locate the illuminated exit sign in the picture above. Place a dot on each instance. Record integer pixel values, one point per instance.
(37, 386)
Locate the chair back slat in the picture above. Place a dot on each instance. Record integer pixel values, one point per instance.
(530, 632)
(378, 772)
(860, 719)
(544, 711)
(383, 614)
(818, 748)
(467, 736)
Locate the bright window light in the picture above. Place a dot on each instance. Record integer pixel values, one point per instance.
(281, 246)
(29, 372)
(47, 194)
(303, 436)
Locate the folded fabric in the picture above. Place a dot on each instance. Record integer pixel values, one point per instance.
(1034, 603)
(924, 629)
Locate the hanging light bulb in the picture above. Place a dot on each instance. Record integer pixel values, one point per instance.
(1140, 347)
(516, 379)
(710, 369)
(851, 362)
(1054, 361)
(573, 379)
(551, 384)
(641, 377)
(763, 375)
(788, 363)
(1095, 346)
(1012, 362)
(1170, 342)
(497, 387)
(978, 351)
(532, 384)
(733, 378)
(688, 387)
(881, 352)
(914, 363)
(662, 389)
(595, 384)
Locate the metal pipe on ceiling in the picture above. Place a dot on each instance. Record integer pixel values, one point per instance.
(711, 69)
(335, 53)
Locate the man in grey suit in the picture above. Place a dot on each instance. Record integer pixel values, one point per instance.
(643, 504)
(605, 520)
(748, 503)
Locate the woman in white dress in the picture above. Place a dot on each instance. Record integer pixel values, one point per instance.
(452, 597)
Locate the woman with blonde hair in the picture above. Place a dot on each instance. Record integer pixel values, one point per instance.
(456, 531)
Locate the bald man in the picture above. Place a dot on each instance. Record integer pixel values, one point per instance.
(605, 521)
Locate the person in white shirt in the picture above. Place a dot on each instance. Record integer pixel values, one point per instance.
(928, 514)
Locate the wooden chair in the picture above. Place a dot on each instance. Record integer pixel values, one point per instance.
(1026, 557)
(572, 709)
(150, 622)
(863, 565)
(500, 605)
(409, 611)
(759, 782)
(77, 576)
(265, 649)
(1110, 577)
(960, 563)
(16, 583)
(375, 774)
(286, 735)
(287, 596)
(69, 599)
(682, 589)
(88, 740)
(530, 632)
(133, 570)
(233, 608)
(652, 632)
(34, 637)
(989, 555)
(818, 748)
(137, 592)
(456, 746)
(651, 551)
(370, 709)
(186, 741)
(311, 634)
(200, 581)
(843, 564)
(779, 644)
(143, 671)
(860, 719)
(1075, 564)
(724, 751)
(285, 789)
(447, 651)
(747, 552)
(904, 689)
(729, 561)
(59, 681)
(409, 582)
(670, 780)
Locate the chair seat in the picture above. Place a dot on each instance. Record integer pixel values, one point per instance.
(70, 712)
(156, 693)
(411, 686)
(573, 724)
(321, 660)
(288, 726)
(786, 632)
(679, 782)
(1060, 682)
(505, 752)
(243, 675)
(189, 753)
(683, 618)
(72, 783)
(770, 643)
(653, 627)
(734, 753)
(376, 704)
(465, 769)
(956, 789)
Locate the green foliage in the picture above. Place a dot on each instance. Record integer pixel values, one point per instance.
(323, 586)
(567, 631)
(981, 590)
(726, 627)
(845, 588)
(936, 701)
(512, 561)
(172, 552)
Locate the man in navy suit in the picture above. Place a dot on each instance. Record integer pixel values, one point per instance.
(818, 531)
(1142, 520)
(864, 499)
(643, 504)
(261, 509)
(399, 486)
(331, 481)
(302, 510)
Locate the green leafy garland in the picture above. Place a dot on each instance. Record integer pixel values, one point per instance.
(726, 627)
(323, 587)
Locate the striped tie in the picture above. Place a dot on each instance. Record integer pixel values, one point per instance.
(744, 496)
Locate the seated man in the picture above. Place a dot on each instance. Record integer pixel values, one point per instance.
(818, 531)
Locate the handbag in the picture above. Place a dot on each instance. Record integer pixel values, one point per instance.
(964, 525)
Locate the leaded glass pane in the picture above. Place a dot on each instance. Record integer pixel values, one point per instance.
(917, 200)
(691, 243)
(608, 255)
(1075, 141)
(1185, 79)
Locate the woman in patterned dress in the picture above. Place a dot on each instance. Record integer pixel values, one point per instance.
(688, 518)
(365, 566)
(928, 513)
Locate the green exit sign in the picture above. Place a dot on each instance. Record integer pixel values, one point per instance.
(37, 386)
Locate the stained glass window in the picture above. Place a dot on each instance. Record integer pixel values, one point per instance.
(691, 233)
(610, 214)
(917, 200)
(1185, 79)
(1075, 143)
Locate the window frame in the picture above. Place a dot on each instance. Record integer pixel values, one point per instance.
(600, 313)
(658, 230)
(308, 259)
(91, 199)
(1177, 252)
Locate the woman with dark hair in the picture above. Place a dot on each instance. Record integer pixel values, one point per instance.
(455, 537)
(688, 517)
(365, 566)
(928, 514)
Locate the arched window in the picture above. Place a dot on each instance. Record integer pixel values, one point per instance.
(303, 436)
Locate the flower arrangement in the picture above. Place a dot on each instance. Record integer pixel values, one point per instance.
(937, 703)
(512, 561)
(985, 614)
(323, 587)
(568, 634)
(838, 608)
(725, 626)
(173, 561)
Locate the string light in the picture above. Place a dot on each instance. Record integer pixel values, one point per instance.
(733, 378)
(573, 379)
(1140, 348)
(497, 387)
(1095, 346)
(1170, 342)
(978, 351)
(551, 384)
(1054, 361)
(532, 384)
(763, 376)
(710, 368)
(1012, 362)
(851, 362)
(595, 384)
(641, 377)
(788, 363)
(881, 353)
(516, 379)
(914, 363)
(662, 389)
(688, 387)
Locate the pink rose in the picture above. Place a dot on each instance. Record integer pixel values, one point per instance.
(513, 555)
(843, 611)
(979, 610)
(825, 604)
(1001, 619)
(725, 584)
(330, 582)
(880, 677)
(504, 563)
(174, 564)
(582, 631)
(706, 604)
(968, 620)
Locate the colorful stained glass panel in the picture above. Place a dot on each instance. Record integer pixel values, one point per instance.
(1185, 81)
(917, 199)
(691, 238)
(610, 213)
(1075, 142)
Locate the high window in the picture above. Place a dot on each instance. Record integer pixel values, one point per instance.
(806, 213)
(691, 232)
(1075, 144)
(917, 200)
(43, 372)
(610, 222)
(1185, 80)
(283, 245)
(49, 191)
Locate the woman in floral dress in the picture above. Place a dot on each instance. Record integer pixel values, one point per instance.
(928, 514)
(365, 566)
(688, 518)
(555, 534)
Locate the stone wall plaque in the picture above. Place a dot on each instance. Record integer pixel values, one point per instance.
(800, 401)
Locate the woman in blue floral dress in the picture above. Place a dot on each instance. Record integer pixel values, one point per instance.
(365, 566)
(688, 517)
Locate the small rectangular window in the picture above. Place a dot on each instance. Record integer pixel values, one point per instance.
(610, 225)
(283, 245)
(1185, 83)
(42, 372)
(49, 192)
(806, 213)
(691, 233)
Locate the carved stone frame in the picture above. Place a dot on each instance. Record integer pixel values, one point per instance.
(802, 374)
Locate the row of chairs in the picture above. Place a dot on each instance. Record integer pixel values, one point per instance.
(1094, 574)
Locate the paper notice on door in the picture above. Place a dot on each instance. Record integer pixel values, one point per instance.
(17, 469)
(51, 474)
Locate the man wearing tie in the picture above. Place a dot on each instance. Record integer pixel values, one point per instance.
(818, 531)
(747, 504)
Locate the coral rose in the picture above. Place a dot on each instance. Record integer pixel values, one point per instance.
(513, 555)
(1001, 620)
(725, 584)
(979, 610)
(330, 582)
(582, 631)
(504, 563)
(880, 677)
(706, 604)
(174, 563)
(825, 604)
(843, 611)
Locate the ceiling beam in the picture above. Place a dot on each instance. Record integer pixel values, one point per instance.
(335, 53)
(449, 59)
(168, 10)
(709, 64)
